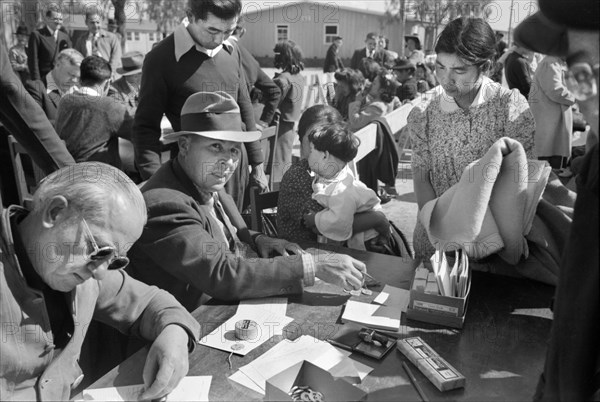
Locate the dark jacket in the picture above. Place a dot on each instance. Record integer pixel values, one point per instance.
(358, 55)
(47, 101)
(408, 90)
(381, 163)
(518, 73)
(333, 61)
(27, 122)
(42, 51)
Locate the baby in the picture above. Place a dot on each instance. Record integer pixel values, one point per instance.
(332, 147)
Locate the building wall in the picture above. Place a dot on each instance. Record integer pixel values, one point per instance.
(306, 26)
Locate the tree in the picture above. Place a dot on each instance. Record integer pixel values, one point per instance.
(166, 13)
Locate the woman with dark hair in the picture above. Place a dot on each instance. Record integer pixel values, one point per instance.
(464, 116)
(349, 83)
(369, 68)
(288, 58)
(374, 101)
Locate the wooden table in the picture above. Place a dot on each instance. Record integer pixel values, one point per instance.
(500, 350)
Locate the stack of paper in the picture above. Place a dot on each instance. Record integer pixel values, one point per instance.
(189, 389)
(451, 282)
(384, 313)
(288, 353)
(270, 316)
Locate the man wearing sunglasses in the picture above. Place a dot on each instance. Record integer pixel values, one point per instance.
(571, 29)
(61, 266)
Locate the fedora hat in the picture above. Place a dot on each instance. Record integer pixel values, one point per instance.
(212, 115)
(403, 64)
(132, 63)
(22, 30)
(546, 31)
(415, 38)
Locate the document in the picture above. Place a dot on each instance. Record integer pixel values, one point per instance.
(189, 389)
(384, 313)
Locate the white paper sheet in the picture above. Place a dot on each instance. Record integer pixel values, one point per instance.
(189, 389)
(274, 305)
(372, 315)
(287, 353)
(394, 297)
(223, 338)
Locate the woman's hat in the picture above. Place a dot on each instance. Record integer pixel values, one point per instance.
(403, 64)
(22, 30)
(415, 38)
(132, 63)
(212, 115)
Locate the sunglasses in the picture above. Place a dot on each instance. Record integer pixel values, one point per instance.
(103, 253)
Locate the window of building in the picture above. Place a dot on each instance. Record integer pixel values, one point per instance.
(151, 36)
(129, 35)
(136, 36)
(282, 32)
(331, 31)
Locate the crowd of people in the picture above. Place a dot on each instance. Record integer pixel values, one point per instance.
(141, 242)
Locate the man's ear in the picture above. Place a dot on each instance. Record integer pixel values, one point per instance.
(55, 211)
(184, 144)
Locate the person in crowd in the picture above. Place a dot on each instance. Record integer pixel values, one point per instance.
(333, 61)
(260, 86)
(413, 49)
(570, 30)
(374, 101)
(87, 223)
(46, 43)
(111, 25)
(551, 103)
(197, 57)
(99, 42)
(368, 51)
(288, 58)
(18, 53)
(60, 81)
(195, 243)
(498, 69)
(370, 69)
(517, 70)
(349, 83)
(295, 194)
(24, 119)
(127, 88)
(465, 115)
(425, 78)
(89, 121)
(332, 147)
(382, 55)
(405, 74)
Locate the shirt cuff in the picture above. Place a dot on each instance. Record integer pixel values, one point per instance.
(308, 266)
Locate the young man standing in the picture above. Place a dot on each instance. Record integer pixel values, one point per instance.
(99, 42)
(333, 61)
(368, 51)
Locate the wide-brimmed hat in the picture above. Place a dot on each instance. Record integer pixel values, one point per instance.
(546, 31)
(22, 30)
(132, 63)
(212, 115)
(415, 38)
(403, 64)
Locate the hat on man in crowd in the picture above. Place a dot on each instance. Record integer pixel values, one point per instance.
(416, 39)
(132, 63)
(546, 31)
(371, 35)
(22, 30)
(213, 115)
(403, 64)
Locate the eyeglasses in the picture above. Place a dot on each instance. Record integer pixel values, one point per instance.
(581, 80)
(102, 253)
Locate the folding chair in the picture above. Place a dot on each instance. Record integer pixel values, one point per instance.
(26, 183)
(270, 135)
(258, 203)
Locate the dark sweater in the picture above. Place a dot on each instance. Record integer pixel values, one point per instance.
(167, 83)
(90, 126)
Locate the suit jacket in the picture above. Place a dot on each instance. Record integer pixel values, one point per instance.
(27, 122)
(108, 46)
(333, 61)
(47, 101)
(381, 163)
(122, 92)
(42, 51)
(358, 55)
(518, 73)
(179, 249)
(256, 77)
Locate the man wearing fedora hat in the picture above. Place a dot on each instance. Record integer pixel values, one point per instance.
(127, 88)
(571, 30)
(405, 74)
(18, 54)
(195, 243)
(413, 48)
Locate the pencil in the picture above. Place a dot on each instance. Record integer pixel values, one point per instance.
(414, 382)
